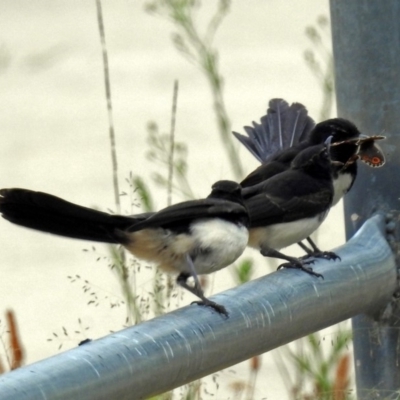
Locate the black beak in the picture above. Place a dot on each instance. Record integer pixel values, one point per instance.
(328, 141)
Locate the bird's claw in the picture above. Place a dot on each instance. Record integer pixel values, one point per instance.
(303, 266)
(329, 255)
(217, 307)
(326, 255)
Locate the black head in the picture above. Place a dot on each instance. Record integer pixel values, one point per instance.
(227, 190)
(341, 130)
(314, 160)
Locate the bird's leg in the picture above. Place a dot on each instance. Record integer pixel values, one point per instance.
(316, 252)
(293, 261)
(196, 289)
(306, 249)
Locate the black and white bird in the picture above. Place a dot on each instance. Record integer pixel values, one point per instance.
(292, 204)
(202, 236)
(287, 130)
(199, 236)
(189, 238)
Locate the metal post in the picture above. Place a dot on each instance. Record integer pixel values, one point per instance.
(192, 342)
(366, 44)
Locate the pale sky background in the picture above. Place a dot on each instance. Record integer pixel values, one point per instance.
(54, 137)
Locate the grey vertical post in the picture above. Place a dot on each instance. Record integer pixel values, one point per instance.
(366, 44)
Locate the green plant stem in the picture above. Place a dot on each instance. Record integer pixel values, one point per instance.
(134, 314)
(199, 50)
(109, 105)
(172, 143)
(119, 255)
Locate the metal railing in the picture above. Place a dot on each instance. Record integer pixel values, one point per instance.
(192, 342)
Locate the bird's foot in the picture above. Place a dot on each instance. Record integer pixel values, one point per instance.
(217, 307)
(301, 264)
(326, 255)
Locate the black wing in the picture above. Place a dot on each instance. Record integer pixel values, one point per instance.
(279, 163)
(282, 127)
(179, 216)
(287, 197)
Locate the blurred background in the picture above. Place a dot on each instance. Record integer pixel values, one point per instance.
(55, 138)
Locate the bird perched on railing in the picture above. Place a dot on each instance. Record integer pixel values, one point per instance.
(190, 238)
(203, 236)
(289, 206)
(287, 130)
(199, 236)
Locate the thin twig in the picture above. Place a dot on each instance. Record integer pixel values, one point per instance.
(198, 50)
(121, 260)
(172, 143)
(109, 106)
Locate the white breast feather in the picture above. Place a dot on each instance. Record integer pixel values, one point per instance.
(340, 187)
(278, 236)
(223, 241)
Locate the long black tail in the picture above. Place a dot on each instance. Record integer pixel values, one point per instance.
(282, 127)
(51, 214)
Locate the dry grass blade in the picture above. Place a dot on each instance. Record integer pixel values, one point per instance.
(109, 105)
(17, 352)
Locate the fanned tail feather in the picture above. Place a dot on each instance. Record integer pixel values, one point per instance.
(282, 127)
(250, 143)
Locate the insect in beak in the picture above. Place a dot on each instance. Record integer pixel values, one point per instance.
(371, 154)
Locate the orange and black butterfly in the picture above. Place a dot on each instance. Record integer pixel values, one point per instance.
(368, 151)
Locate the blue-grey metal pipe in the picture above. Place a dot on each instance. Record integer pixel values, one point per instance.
(192, 342)
(366, 44)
